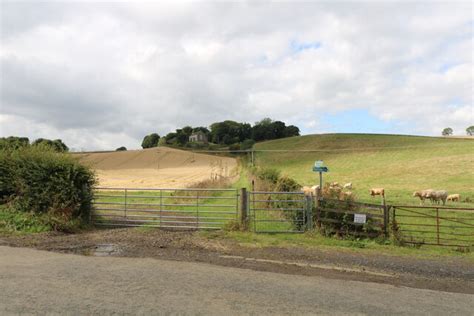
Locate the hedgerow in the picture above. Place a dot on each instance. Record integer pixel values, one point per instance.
(41, 181)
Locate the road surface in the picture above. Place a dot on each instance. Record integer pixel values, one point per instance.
(39, 282)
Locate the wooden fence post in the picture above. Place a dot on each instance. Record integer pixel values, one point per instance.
(243, 209)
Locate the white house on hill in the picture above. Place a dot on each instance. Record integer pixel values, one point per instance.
(198, 137)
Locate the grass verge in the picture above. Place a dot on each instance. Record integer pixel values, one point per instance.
(19, 222)
(314, 240)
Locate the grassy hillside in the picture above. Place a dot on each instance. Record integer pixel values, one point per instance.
(400, 164)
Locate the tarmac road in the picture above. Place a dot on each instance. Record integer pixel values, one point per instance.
(39, 282)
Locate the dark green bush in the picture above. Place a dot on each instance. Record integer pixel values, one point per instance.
(269, 174)
(40, 181)
(56, 145)
(247, 144)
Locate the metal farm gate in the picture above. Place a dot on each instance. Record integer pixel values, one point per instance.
(279, 212)
(165, 208)
(433, 225)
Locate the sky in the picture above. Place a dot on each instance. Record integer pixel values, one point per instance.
(103, 75)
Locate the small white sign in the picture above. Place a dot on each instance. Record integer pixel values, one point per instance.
(360, 218)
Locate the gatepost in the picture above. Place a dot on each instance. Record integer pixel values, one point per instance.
(244, 221)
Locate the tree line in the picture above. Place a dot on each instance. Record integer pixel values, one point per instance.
(14, 142)
(448, 131)
(235, 135)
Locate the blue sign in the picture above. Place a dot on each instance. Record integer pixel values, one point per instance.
(319, 167)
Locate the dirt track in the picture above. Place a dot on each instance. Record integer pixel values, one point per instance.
(444, 274)
(157, 167)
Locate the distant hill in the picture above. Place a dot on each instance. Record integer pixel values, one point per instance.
(400, 164)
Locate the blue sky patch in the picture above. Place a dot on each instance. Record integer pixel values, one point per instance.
(357, 121)
(297, 47)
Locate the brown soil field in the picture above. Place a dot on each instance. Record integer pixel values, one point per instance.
(157, 167)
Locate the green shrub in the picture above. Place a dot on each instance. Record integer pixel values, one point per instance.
(37, 180)
(247, 144)
(269, 174)
(13, 221)
(342, 223)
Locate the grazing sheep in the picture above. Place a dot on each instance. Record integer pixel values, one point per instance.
(377, 191)
(335, 184)
(307, 190)
(423, 195)
(454, 197)
(346, 194)
(311, 191)
(315, 189)
(348, 186)
(437, 196)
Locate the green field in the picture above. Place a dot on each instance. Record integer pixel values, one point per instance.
(400, 164)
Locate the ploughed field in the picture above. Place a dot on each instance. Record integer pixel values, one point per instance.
(157, 168)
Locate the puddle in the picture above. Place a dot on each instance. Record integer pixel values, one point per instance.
(102, 250)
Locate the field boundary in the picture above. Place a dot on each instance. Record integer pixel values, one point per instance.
(433, 225)
(281, 212)
(191, 209)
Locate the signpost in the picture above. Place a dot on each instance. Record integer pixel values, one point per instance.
(319, 167)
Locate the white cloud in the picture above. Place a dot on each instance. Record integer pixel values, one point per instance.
(104, 75)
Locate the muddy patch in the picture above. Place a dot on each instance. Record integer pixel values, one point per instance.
(101, 250)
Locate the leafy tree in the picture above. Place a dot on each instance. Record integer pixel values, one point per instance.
(187, 130)
(182, 136)
(447, 131)
(267, 129)
(170, 137)
(150, 141)
(14, 142)
(203, 129)
(470, 130)
(291, 131)
(228, 132)
(122, 148)
(57, 144)
(247, 144)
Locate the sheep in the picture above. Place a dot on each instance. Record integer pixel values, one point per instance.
(437, 196)
(348, 186)
(423, 195)
(454, 197)
(346, 194)
(315, 189)
(377, 191)
(335, 185)
(307, 190)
